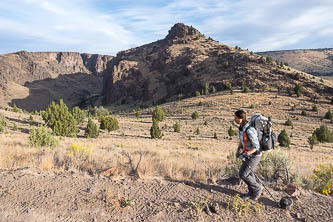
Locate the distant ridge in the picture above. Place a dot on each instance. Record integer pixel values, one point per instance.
(317, 62)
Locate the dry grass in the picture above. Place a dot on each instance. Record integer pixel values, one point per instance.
(202, 158)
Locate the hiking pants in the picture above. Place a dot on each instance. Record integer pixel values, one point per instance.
(247, 176)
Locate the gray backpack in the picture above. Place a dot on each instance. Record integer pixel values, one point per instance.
(266, 136)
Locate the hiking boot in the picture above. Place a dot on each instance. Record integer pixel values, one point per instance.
(246, 195)
(256, 195)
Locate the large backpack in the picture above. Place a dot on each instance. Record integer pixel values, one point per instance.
(266, 136)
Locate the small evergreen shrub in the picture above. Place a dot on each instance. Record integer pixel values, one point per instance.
(288, 123)
(315, 108)
(158, 114)
(251, 106)
(197, 93)
(304, 113)
(313, 140)
(206, 88)
(137, 115)
(15, 108)
(180, 96)
(78, 114)
(60, 120)
(269, 59)
(245, 89)
(109, 123)
(215, 135)
(197, 131)
(155, 131)
(269, 103)
(41, 137)
(91, 130)
(231, 132)
(298, 89)
(283, 139)
(3, 124)
(329, 115)
(14, 127)
(176, 127)
(212, 89)
(227, 85)
(31, 119)
(323, 134)
(100, 112)
(195, 115)
(200, 103)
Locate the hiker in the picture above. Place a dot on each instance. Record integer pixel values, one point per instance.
(248, 151)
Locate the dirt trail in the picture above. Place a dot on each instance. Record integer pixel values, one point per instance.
(29, 194)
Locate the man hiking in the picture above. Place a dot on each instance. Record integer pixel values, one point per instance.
(248, 151)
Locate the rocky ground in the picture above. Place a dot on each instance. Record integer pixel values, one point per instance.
(28, 194)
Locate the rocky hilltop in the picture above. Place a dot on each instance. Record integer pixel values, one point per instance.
(318, 62)
(185, 61)
(33, 80)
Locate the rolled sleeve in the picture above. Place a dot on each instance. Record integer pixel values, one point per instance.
(253, 137)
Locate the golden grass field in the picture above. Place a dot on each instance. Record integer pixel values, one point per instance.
(179, 156)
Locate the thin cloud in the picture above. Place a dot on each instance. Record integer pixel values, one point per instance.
(68, 24)
(110, 26)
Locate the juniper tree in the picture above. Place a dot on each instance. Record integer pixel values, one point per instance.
(298, 89)
(109, 123)
(60, 120)
(155, 131)
(91, 130)
(78, 114)
(158, 114)
(283, 139)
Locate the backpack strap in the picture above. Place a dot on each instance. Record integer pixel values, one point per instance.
(245, 138)
(245, 141)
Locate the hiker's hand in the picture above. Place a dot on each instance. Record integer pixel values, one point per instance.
(244, 157)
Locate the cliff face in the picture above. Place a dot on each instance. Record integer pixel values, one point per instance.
(184, 61)
(318, 62)
(33, 80)
(23, 66)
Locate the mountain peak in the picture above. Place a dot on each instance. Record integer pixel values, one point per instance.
(180, 30)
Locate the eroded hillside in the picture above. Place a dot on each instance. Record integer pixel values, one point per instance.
(185, 60)
(33, 80)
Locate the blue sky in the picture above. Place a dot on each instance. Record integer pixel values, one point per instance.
(109, 26)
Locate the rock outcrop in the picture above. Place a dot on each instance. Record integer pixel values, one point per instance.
(186, 61)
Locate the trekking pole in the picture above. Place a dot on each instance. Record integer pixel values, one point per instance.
(260, 181)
